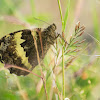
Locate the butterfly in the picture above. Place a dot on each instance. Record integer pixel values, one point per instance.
(20, 48)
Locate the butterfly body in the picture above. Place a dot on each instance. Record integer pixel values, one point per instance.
(19, 48)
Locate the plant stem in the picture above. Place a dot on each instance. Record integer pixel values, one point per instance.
(63, 70)
(59, 4)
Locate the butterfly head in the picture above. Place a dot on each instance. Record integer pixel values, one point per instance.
(53, 27)
(50, 31)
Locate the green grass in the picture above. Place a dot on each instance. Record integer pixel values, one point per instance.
(64, 21)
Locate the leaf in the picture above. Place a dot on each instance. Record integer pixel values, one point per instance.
(66, 15)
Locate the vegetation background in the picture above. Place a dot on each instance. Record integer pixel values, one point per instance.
(82, 76)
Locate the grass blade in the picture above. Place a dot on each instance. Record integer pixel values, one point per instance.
(66, 15)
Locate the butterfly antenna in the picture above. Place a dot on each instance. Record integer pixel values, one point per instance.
(41, 20)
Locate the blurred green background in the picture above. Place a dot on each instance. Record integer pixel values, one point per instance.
(82, 77)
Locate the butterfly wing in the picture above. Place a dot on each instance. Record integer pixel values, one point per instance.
(19, 48)
(15, 49)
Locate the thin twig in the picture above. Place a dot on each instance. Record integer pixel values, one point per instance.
(17, 67)
(38, 58)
